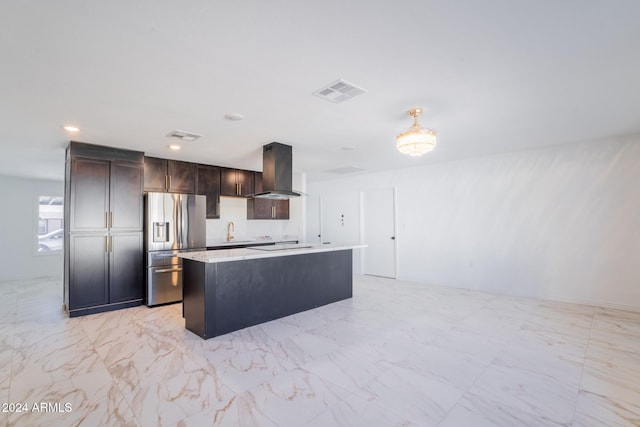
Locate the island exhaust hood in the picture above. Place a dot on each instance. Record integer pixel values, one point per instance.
(277, 172)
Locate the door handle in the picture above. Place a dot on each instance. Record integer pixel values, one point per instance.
(169, 270)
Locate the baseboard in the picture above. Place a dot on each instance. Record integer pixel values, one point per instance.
(556, 298)
(602, 304)
(103, 308)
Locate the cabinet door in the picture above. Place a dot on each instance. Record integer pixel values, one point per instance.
(245, 181)
(88, 270)
(126, 267)
(126, 201)
(281, 209)
(89, 194)
(155, 174)
(228, 182)
(257, 180)
(182, 177)
(208, 184)
(259, 209)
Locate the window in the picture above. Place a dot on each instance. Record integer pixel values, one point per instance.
(50, 224)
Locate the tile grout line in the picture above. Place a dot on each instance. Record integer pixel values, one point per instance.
(584, 362)
(13, 352)
(485, 369)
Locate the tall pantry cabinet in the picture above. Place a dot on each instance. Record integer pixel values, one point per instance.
(103, 220)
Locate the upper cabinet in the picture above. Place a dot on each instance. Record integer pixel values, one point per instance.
(258, 208)
(236, 182)
(104, 194)
(171, 176)
(208, 184)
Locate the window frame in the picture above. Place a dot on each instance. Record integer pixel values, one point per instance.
(37, 227)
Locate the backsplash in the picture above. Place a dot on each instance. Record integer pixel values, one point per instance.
(235, 209)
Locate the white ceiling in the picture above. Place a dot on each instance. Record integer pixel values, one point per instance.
(492, 76)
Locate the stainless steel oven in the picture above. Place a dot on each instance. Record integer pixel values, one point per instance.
(164, 275)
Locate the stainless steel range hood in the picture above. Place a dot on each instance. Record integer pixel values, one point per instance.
(277, 172)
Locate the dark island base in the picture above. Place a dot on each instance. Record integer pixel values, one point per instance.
(224, 297)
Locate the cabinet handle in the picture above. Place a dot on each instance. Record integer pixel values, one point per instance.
(169, 186)
(106, 219)
(240, 193)
(111, 219)
(106, 243)
(111, 244)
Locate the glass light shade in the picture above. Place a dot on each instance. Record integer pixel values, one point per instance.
(416, 141)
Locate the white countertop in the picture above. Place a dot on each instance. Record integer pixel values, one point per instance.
(225, 255)
(251, 241)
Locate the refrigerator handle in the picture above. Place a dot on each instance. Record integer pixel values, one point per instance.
(180, 221)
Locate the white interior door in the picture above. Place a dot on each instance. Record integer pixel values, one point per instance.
(378, 232)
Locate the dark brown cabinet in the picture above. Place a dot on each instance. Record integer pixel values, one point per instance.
(258, 208)
(236, 182)
(87, 284)
(104, 260)
(126, 275)
(89, 198)
(172, 176)
(208, 184)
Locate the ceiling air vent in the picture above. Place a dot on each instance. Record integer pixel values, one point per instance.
(339, 91)
(183, 136)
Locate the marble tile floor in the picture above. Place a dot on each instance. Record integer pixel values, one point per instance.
(397, 354)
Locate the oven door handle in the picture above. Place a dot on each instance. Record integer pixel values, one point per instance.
(168, 270)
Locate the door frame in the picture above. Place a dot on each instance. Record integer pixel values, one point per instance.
(394, 191)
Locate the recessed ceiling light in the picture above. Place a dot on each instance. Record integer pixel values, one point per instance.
(234, 117)
(71, 128)
(175, 147)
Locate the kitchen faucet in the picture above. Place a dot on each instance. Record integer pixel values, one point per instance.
(230, 227)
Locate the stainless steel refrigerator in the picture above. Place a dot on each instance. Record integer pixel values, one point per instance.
(173, 223)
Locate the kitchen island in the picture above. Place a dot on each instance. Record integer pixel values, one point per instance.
(231, 289)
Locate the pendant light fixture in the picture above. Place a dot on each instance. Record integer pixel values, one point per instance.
(417, 140)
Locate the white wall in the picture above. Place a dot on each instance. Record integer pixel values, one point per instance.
(558, 223)
(18, 229)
